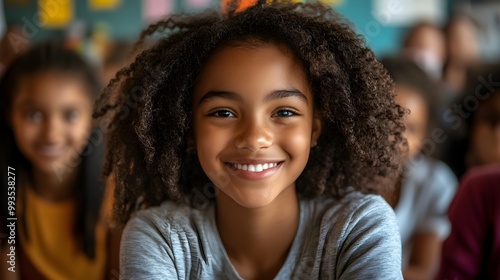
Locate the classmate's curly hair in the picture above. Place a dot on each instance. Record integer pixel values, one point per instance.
(149, 103)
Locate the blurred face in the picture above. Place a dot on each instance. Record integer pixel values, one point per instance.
(485, 140)
(462, 42)
(254, 123)
(416, 121)
(51, 119)
(429, 40)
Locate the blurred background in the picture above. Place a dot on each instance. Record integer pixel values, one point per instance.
(91, 24)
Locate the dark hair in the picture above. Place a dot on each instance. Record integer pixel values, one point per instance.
(40, 59)
(482, 84)
(151, 117)
(404, 71)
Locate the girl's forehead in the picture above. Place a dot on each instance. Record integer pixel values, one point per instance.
(239, 57)
(51, 88)
(251, 48)
(232, 66)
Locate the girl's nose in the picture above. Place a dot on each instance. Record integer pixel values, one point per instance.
(254, 135)
(52, 130)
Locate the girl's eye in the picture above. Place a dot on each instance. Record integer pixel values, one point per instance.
(222, 114)
(285, 113)
(71, 116)
(34, 116)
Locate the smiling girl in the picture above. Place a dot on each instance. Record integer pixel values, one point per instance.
(47, 97)
(250, 148)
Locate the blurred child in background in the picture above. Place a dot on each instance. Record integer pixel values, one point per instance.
(476, 118)
(462, 51)
(47, 137)
(472, 251)
(422, 196)
(425, 44)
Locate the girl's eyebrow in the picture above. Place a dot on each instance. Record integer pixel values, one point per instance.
(277, 94)
(220, 94)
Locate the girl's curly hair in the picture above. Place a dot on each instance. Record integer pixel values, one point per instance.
(149, 103)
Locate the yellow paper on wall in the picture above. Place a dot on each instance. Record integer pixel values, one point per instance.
(104, 4)
(55, 13)
(332, 2)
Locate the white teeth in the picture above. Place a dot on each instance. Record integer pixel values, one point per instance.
(254, 168)
(258, 168)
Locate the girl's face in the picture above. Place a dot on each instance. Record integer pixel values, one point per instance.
(485, 139)
(416, 121)
(51, 119)
(254, 122)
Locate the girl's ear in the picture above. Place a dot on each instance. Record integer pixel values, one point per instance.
(316, 130)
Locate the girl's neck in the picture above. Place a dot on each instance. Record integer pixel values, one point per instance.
(52, 187)
(257, 241)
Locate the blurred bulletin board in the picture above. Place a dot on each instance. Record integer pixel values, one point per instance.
(104, 4)
(155, 10)
(408, 12)
(54, 14)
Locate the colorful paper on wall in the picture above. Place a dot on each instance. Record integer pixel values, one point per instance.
(155, 10)
(104, 4)
(55, 14)
(408, 12)
(332, 2)
(198, 4)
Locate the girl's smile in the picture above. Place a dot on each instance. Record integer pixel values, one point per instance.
(254, 169)
(254, 122)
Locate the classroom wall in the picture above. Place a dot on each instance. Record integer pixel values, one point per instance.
(125, 22)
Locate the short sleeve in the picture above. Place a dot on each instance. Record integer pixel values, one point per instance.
(439, 192)
(145, 253)
(372, 246)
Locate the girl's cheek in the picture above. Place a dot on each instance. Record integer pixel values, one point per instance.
(80, 133)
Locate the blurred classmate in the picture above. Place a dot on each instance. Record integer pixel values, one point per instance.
(462, 51)
(422, 196)
(425, 44)
(477, 115)
(472, 251)
(47, 137)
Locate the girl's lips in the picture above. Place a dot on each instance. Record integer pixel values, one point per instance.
(254, 171)
(50, 152)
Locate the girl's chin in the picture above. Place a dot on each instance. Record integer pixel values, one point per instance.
(253, 199)
(54, 167)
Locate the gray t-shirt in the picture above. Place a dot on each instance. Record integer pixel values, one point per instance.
(355, 237)
(426, 193)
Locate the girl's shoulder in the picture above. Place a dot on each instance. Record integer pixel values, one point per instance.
(348, 210)
(171, 214)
